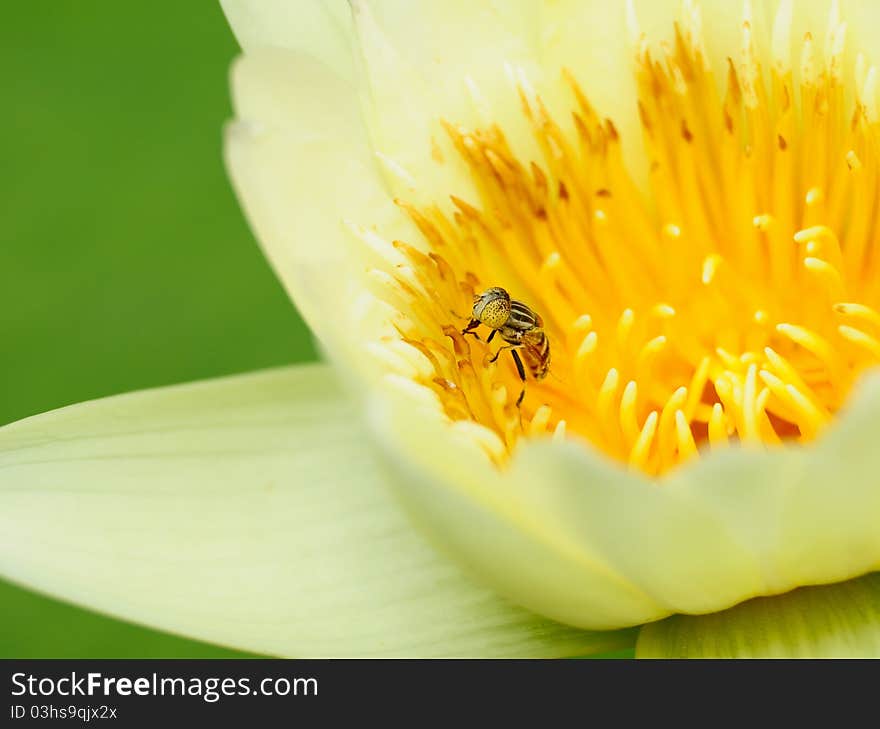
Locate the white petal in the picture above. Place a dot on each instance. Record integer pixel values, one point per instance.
(319, 28)
(247, 511)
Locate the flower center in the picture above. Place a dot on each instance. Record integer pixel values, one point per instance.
(737, 300)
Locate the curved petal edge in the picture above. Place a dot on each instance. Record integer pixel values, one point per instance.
(247, 511)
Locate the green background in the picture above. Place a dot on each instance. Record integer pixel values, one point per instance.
(125, 262)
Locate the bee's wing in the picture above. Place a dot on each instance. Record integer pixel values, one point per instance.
(536, 348)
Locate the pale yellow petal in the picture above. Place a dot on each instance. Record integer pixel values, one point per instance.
(862, 20)
(305, 175)
(566, 532)
(318, 28)
(807, 514)
(494, 522)
(248, 511)
(461, 61)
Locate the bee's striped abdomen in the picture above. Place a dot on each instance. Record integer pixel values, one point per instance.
(536, 353)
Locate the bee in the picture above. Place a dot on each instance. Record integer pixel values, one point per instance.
(519, 326)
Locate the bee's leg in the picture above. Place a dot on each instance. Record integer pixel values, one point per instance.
(491, 335)
(500, 350)
(469, 329)
(522, 375)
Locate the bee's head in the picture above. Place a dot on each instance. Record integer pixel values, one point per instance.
(492, 307)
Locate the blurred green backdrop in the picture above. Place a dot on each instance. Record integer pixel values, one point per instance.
(125, 262)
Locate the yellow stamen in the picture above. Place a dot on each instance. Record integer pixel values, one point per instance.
(641, 448)
(737, 300)
(717, 426)
(684, 437)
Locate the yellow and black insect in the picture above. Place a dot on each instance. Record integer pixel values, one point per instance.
(519, 326)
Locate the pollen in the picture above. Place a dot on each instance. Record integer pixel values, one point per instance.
(733, 298)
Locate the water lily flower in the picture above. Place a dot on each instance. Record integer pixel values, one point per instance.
(687, 197)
